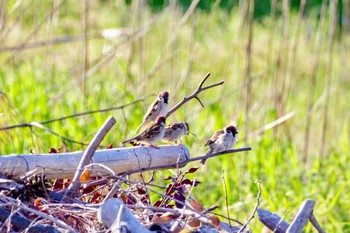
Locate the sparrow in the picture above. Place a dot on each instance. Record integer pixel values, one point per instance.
(175, 131)
(222, 140)
(152, 134)
(159, 107)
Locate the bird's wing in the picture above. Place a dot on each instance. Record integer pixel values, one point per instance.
(214, 137)
(150, 132)
(174, 126)
(153, 108)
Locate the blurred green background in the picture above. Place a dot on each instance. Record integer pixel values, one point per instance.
(279, 59)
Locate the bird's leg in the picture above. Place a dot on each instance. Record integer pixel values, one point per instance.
(204, 160)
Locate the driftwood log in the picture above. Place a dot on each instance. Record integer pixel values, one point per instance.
(64, 165)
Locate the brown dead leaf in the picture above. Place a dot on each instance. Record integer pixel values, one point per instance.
(37, 202)
(215, 221)
(110, 146)
(165, 218)
(85, 176)
(194, 223)
(197, 206)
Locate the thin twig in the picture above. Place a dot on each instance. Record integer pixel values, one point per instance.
(255, 209)
(87, 156)
(226, 198)
(199, 89)
(181, 164)
(59, 223)
(63, 138)
(119, 216)
(315, 223)
(29, 124)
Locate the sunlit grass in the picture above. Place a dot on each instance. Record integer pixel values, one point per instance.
(32, 80)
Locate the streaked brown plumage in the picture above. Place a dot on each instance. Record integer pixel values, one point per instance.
(175, 131)
(151, 135)
(159, 107)
(222, 140)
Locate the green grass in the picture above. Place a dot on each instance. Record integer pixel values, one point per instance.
(209, 42)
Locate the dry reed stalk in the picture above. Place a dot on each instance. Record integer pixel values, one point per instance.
(85, 67)
(311, 96)
(328, 84)
(34, 32)
(248, 75)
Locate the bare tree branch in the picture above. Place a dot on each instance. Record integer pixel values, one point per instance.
(255, 209)
(87, 156)
(199, 89)
(75, 115)
(181, 164)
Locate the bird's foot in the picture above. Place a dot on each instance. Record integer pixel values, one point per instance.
(155, 146)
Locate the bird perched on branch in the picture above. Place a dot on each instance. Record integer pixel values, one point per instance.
(159, 107)
(175, 131)
(151, 135)
(222, 140)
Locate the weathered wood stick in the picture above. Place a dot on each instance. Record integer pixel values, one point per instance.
(315, 223)
(120, 160)
(274, 222)
(88, 154)
(302, 217)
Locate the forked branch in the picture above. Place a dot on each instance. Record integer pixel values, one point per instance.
(194, 95)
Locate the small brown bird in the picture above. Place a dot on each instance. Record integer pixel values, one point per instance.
(175, 131)
(159, 107)
(222, 140)
(151, 135)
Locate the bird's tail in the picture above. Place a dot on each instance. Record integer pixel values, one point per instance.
(143, 125)
(129, 140)
(208, 153)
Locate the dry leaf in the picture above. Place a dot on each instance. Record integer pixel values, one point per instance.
(37, 202)
(197, 206)
(85, 176)
(215, 221)
(165, 218)
(194, 223)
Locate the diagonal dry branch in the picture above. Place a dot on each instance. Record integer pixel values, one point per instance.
(194, 95)
(87, 156)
